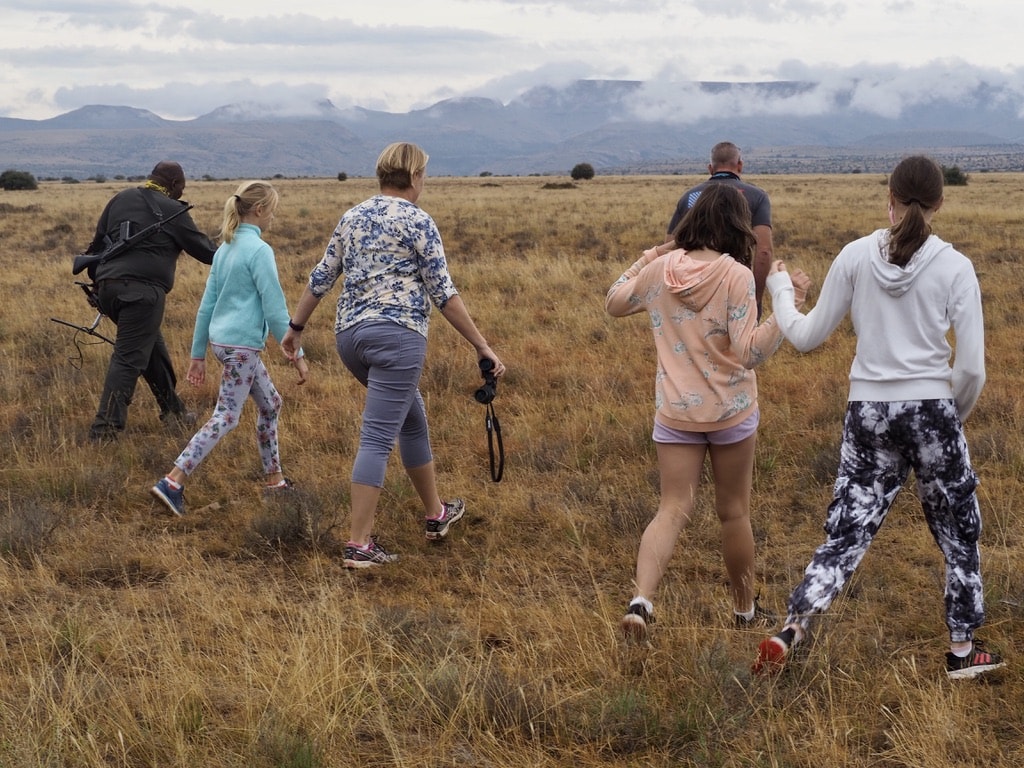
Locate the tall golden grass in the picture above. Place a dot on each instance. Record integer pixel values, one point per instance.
(233, 636)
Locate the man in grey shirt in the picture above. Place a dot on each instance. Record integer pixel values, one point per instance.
(725, 168)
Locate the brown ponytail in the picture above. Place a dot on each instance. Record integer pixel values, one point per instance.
(917, 184)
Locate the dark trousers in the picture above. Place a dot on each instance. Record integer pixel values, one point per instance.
(139, 350)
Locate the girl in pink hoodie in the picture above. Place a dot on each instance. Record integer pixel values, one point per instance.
(699, 293)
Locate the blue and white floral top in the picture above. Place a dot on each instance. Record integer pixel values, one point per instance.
(391, 254)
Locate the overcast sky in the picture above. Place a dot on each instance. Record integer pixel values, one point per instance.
(184, 59)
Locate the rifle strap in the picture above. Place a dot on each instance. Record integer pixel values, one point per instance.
(152, 204)
(157, 225)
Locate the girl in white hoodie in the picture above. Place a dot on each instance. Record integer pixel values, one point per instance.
(904, 289)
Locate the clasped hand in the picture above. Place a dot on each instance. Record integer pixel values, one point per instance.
(800, 279)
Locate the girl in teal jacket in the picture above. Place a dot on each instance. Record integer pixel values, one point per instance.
(243, 303)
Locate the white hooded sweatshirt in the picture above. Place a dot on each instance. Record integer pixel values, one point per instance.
(901, 316)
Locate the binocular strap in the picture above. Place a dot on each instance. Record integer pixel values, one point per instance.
(497, 460)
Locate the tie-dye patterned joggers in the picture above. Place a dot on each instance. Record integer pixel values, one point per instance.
(244, 376)
(882, 442)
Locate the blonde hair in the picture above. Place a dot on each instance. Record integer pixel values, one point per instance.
(248, 195)
(398, 163)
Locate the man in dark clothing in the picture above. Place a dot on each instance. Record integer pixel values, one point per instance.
(725, 167)
(132, 288)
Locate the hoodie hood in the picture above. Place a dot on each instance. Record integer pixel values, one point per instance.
(693, 281)
(897, 280)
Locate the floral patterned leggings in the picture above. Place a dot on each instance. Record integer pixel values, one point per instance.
(244, 376)
(882, 442)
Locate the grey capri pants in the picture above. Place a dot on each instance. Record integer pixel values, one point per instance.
(387, 359)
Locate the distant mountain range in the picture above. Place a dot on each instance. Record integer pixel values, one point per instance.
(616, 126)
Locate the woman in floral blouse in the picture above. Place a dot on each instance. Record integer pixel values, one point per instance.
(394, 267)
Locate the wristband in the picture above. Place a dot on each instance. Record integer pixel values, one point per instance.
(296, 327)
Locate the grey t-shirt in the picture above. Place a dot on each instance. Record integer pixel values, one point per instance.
(757, 199)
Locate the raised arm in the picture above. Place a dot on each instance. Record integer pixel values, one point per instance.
(621, 299)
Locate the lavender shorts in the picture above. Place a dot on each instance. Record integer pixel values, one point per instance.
(740, 432)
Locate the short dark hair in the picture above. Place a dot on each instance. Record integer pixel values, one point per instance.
(166, 173)
(725, 154)
(720, 221)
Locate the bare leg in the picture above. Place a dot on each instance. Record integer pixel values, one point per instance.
(732, 467)
(425, 483)
(680, 467)
(364, 507)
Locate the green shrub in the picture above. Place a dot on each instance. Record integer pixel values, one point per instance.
(582, 171)
(17, 180)
(954, 177)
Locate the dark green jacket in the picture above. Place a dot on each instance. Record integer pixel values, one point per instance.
(153, 259)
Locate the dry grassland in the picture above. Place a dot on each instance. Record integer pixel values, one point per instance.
(233, 636)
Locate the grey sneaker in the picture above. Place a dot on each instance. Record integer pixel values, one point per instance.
(634, 623)
(437, 528)
(372, 555)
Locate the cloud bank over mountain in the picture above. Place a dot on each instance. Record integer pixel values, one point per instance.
(885, 91)
(848, 120)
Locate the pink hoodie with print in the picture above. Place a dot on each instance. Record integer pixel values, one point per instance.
(704, 318)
